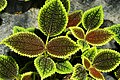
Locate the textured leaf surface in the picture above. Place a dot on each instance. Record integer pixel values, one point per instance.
(3, 4)
(74, 19)
(77, 32)
(86, 62)
(26, 44)
(27, 76)
(45, 66)
(52, 18)
(116, 31)
(96, 74)
(79, 73)
(8, 67)
(62, 47)
(106, 60)
(64, 67)
(93, 18)
(99, 37)
(84, 45)
(66, 4)
(90, 53)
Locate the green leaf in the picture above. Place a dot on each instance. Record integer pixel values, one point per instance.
(74, 19)
(96, 74)
(3, 4)
(8, 67)
(115, 29)
(86, 62)
(93, 18)
(90, 53)
(52, 18)
(62, 47)
(64, 67)
(27, 76)
(90, 78)
(17, 29)
(106, 60)
(25, 44)
(30, 29)
(79, 73)
(84, 45)
(99, 37)
(78, 32)
(117, 73)
(66, 4)
(45, 66)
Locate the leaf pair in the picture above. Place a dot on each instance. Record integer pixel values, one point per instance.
(46, 66)
(29, 44)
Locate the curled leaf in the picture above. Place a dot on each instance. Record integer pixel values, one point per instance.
(93, 18)
(77, 32)
(74, 19)
(8, 67)
(25, 44)
(106, 60)
(64, 67)
(45, 66)
(79, 73)
(62, 47)
(99, 37)
(52, 18)
(96, 74)
(3, 4)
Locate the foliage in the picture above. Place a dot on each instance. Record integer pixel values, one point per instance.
(55, 55)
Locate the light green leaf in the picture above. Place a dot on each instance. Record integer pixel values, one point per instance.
(99, 37)
(30, 29)
(90, 53)
(84, 45)
(25, 44)
(17, 29)
(3, 4)
(96, 74)
(62, 47)
(75, 18)
(93, 18)
(78, 32)
(79, 73)
(64, 67)
(106, 60)
(115, 29)
(66, 4)
(8, 67)
(45, 66)
(52, 18)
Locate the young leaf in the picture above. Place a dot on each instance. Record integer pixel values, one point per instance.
(79, 73)
(27, 76)
(30, 29)
(25, 44)
(115, 29)
(86, 62)
(83, 44)
(3, 4)
(99, 37)
(8, 67)
(96, 74)
(77, 32)
(66, 4)
(106, 60)
(64, 67)
(90, 53)
(117, 73)
(45, 66)
(93, 18)
(17, 29)
(74, 19)
(62, 47)
(52, 18)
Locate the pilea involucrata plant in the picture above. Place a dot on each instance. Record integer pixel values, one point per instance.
(54, 19)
